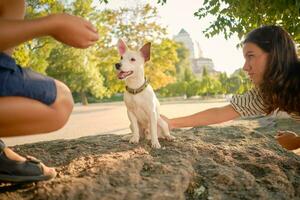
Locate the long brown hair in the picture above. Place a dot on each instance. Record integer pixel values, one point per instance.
(281, 81)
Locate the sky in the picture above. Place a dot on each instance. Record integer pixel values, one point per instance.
(178, 14)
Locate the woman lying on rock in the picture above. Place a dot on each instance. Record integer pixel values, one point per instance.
(31, 103)
(273, 66)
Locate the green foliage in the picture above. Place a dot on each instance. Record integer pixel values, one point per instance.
(91, 72)
(209, 85)
(77, 68)
(204, 72)
(34, 53)
(162, 2)
(107, 58)
(161, 69)
(233, 16)
(223, 79)
(174, 89)
(239, 82)
(183, 66)
(193, 88)
(138, 25)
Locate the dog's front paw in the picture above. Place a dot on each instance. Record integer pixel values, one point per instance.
(126, 137)
(170, 138)
(156, 145)
(134, 139)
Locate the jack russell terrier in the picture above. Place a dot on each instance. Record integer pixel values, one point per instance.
(140, 99)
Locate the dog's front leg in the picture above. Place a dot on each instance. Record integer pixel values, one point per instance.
(134, 127)
(153, 130)
(165, 129)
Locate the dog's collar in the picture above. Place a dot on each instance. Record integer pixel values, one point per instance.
(138, 90)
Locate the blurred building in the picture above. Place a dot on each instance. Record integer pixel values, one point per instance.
(198, 62)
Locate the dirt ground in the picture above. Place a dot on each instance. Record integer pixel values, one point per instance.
(235, 160)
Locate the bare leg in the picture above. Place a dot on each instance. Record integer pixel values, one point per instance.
(23, 116)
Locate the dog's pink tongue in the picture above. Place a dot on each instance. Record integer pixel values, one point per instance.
(121, 75)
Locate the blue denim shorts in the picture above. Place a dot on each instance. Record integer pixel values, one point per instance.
(18, 81)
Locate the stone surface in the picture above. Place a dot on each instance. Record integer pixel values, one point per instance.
(236, 160)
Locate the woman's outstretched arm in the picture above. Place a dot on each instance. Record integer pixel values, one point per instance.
(206, 117)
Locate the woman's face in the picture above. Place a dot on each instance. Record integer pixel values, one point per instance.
(255, 62)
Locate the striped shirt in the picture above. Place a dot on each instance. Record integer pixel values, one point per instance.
(251, 104)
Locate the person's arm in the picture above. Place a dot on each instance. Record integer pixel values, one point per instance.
(207, 117)
(68, 29)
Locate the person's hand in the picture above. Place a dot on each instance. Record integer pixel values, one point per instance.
(168, 121)
(72, 30)
(288, 139)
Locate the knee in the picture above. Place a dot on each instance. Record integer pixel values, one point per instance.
(64, 97)
(66, 100)
(62, 106)
(59, 121)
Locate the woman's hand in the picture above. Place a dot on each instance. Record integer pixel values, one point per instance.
(72, 30)
(288, 139)
(168, 121)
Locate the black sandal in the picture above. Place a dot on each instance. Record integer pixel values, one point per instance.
(13, 171)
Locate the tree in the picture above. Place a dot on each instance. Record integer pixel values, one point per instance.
(223, 79)
(193, 88)
(34, 53)
(78, 69)
(238, 83)
(161, 69)
(232, 16)
(137, 26)
(183, 66)
(246, 84)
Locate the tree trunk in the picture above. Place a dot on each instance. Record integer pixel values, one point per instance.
(84, 100)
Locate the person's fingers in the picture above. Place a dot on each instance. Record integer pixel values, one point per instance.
(87, 44)
(90, 43)
(94, 37)
(91, 27)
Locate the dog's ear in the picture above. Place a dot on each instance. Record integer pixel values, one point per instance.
(145, 50)
(122, 47)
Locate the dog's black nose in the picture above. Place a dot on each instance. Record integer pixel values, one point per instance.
(118, 66)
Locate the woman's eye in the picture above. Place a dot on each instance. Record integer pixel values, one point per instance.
(132, 59)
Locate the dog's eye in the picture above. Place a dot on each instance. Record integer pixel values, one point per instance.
(132, 59)
(121, 57)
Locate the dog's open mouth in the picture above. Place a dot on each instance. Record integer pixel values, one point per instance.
(122, 74)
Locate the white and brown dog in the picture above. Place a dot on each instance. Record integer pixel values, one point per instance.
(140, 99)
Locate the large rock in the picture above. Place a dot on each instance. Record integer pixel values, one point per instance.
(237, 160)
